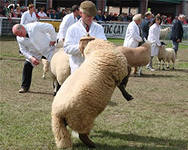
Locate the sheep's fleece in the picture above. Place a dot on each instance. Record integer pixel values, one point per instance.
(86, 92)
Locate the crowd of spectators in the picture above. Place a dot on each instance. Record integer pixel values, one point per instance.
(10, 10)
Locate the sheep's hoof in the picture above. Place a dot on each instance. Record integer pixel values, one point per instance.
(129, 97)
(54, 94)
(85, 139)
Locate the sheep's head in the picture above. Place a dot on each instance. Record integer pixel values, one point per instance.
(84, 41)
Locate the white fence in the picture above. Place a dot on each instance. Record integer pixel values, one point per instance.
(111, 29)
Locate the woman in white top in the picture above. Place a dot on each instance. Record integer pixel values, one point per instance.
(154, 38)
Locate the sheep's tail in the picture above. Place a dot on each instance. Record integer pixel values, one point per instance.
(62, 135)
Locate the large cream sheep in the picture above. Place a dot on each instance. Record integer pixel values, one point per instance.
(137, 57)
(60, 68)
(86, 92)
(166, 55)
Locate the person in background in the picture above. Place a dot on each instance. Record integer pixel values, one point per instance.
(98, 17)
(18, 12)
(35, 40)
(154, 39)
(67, 21)
(146, 24)
(42, 14)
(29, 16)
(85, 25)
(105, 16)
(62, 14)
(177, 32)
(133, 33)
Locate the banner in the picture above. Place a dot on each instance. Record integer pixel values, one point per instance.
(114, 29)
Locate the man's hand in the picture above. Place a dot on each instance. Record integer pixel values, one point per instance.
(34, 60)
(178, 40)
(52, 43)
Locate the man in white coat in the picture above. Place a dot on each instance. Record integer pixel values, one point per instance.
(67, 21)
(35, 40)
(29, 16)
(133, 33)
(81, 28)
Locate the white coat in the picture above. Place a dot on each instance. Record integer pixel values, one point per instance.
(72, 39)
(132, 36)
(28, 18)
(37, 45)
(154, 38)
(67, 21)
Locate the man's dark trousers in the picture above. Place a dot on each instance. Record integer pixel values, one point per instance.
(27, 75)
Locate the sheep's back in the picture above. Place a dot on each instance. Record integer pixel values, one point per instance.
(60, 65)
(139, 56)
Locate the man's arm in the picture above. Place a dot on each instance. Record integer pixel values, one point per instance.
(71, 44)
(27, 54)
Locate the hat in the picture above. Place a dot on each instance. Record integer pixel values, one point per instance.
(148, 13)
(137, 17)
(88, 8)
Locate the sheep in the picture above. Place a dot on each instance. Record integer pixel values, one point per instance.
(60, 69)
(83, 43)
(46, 66)
(86, 92)
(164, 32)
(137, 57)
(166, 55)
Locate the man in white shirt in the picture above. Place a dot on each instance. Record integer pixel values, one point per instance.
(29, 16)
(35, 40)
(133, 35)
(67, 21)
(81, 28)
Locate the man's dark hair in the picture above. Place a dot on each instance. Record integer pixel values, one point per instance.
(74, 8)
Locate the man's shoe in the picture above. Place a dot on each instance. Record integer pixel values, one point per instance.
(22, 90)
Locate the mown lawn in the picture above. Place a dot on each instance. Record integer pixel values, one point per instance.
(157, 119)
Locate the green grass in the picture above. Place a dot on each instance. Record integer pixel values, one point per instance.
(157, 119)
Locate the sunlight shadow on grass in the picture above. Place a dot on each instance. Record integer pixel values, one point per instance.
(163, 142)
(45, 93)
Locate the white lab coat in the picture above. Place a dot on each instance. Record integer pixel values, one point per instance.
(72, 38)
(67, 21)
(154, 38)
(28, 18)
(37, 45)
(132, 36)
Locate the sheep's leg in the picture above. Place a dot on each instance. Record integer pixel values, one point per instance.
(135, 70)
(61, 134)
(85, 139)
(163, 65)
(123, 85)
(139, 71)
(159, 64)
(173, 61)
(167, 65)
(56, 87)
(45, 67)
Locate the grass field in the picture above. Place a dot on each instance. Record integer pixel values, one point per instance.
(157, 119)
